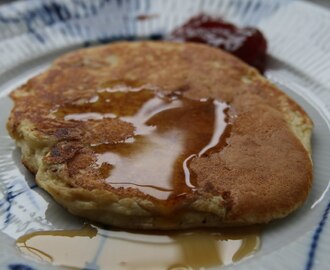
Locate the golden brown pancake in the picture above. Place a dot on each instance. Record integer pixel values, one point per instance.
(161, 135)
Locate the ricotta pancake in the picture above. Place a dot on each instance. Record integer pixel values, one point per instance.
(163, 135)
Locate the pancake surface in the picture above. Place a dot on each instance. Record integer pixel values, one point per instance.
(161, 135)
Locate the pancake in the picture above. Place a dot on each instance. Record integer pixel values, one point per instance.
(163, 135)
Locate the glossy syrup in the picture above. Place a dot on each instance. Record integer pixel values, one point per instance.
(95, 248)
(170, 131)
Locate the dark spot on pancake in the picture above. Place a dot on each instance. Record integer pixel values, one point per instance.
(55, 152)
(62, 152)
(68, 133)
(228, 199)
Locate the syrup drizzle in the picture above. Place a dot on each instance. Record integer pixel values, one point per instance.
(170, 131)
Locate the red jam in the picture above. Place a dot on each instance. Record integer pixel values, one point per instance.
(247, 43)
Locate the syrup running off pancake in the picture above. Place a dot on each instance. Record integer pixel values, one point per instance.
(169, 132)
(95, 248)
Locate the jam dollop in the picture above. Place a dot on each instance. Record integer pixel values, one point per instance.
(247, 43)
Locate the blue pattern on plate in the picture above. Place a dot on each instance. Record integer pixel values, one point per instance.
(45, 13)
(316, 238)
(20, 267)
(50, 13)
(14, 188)
(39, 15)
(93, 264)
(9, 197)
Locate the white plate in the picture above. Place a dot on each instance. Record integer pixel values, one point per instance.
(34, 33)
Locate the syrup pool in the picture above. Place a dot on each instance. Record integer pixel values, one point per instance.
(96, 248)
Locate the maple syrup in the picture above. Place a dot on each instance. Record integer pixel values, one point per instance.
(170, 131)
(96, 248)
